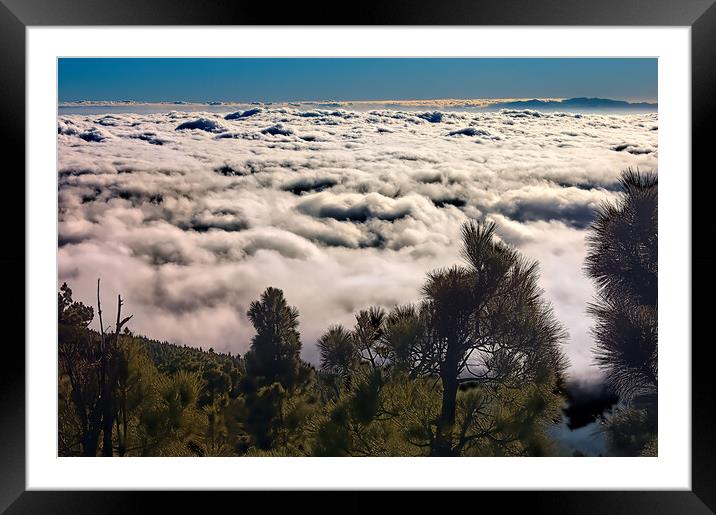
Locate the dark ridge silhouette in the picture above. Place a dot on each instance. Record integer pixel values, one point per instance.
(579, 103)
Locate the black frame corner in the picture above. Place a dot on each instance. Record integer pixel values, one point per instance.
(700, 15)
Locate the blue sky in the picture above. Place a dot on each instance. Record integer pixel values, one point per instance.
(275, 80)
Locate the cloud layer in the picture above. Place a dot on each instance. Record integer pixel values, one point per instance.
(190, 215)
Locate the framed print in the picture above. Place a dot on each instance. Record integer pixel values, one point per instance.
(423, 250)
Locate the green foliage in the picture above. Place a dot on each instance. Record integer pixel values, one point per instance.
(275, 349)
(137, 376)
(79, 357)
(403, 336)
(170, 420)
(354, 425)
(338, 352)
(271, 419)
(71, 313)
(507, 421)
(368, 332)
(622, 260)
(275, 389)
(488, 324)
(631, 432)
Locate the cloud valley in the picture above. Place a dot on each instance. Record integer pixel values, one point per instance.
(190, 215)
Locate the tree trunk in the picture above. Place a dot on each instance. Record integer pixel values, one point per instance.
(442, 444)
(110, 381)
(107, 418)
(105, 387)
(122, 435)
(89, 443)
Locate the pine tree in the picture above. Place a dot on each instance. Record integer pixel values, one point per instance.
(622, 259)
(275, 350)
(488, 325)
(274, 371)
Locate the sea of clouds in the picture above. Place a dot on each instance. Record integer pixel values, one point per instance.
(191, 215)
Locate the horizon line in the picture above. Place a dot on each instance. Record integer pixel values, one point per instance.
(486, 100)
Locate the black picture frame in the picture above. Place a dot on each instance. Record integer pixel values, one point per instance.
(17, 15)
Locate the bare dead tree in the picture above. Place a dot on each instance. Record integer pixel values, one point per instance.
(109, 374)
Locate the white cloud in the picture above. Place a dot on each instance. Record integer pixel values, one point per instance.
(341, 209)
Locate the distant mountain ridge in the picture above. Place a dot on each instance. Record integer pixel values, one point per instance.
(580, 103)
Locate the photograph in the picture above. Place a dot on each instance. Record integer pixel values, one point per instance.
(357, 257)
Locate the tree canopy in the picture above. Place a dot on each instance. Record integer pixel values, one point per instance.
(622, 259)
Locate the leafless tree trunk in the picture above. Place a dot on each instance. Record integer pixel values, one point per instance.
(109, 377)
